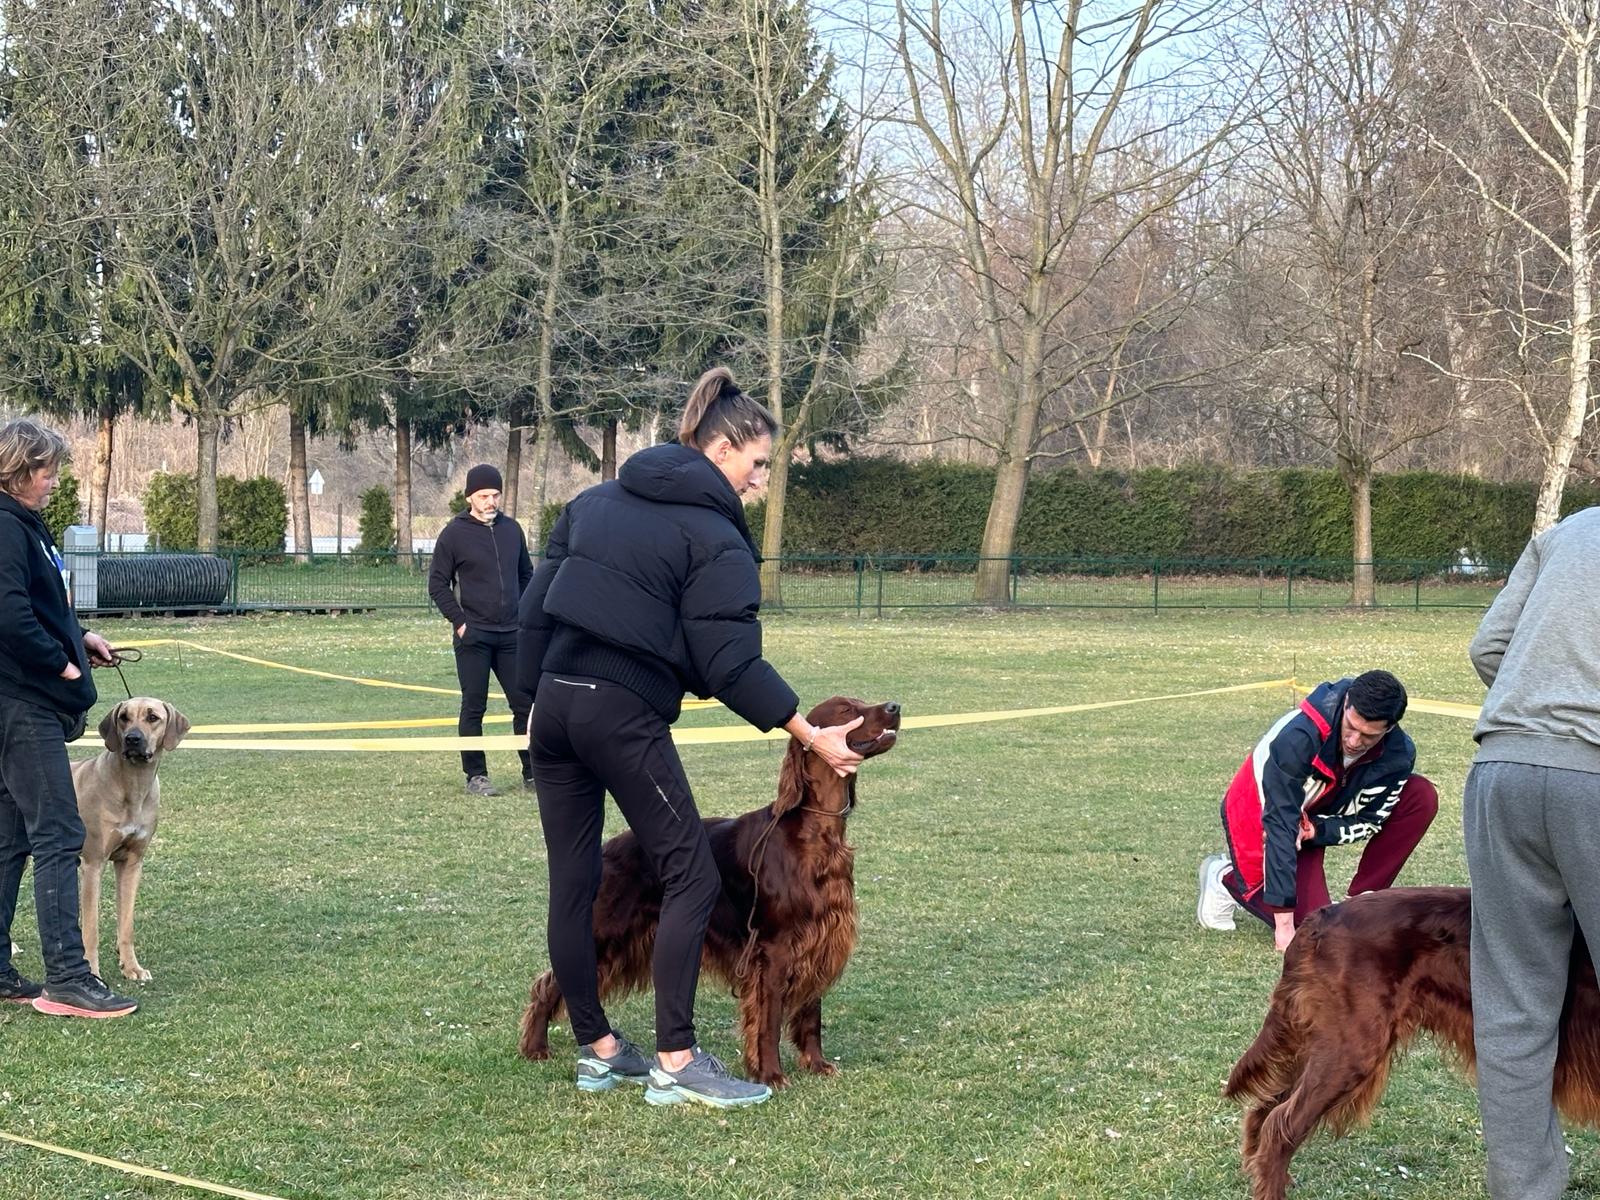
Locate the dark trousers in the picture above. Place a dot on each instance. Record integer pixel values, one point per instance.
(39, 816)
(591, 737)
(1385, 853)
(478, 653)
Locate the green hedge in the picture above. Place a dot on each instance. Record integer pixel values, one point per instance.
(251, 513)
(881, 506)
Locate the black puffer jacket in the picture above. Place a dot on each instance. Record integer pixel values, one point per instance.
(650, 581)
(39, 633)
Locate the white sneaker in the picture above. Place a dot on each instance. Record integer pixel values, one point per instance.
(1216, 906)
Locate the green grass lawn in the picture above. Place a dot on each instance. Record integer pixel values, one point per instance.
(342, 942)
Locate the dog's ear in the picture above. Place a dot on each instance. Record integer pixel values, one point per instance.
(108, 727)
(177, 726)
(791, 780)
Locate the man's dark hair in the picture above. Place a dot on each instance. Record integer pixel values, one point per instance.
(1378, 696)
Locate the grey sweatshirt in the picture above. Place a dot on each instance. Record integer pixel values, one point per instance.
(1538, 649)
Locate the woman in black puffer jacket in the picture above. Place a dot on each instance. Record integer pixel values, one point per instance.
(647, 589)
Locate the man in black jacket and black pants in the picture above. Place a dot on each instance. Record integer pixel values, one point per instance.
(480, 566)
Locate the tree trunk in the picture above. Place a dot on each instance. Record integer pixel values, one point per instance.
(508, 492)
(1363, 581)
(402, 491)
(299, 488)
(608, 449)
(1558, 462)
(100, 479)
(541, 488)
(208, 427)
(772, 235)
(772, 530)
(1011, 474)
(999, 530)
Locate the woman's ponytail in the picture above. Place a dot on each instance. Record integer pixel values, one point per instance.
(716, 407)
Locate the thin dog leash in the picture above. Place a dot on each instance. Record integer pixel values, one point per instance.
(130, 655)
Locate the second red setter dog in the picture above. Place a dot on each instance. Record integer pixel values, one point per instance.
(1359, 981)
(785, 924)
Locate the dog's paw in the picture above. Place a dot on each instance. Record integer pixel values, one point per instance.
(135, 973)
(774, 1080)
(821, 1066)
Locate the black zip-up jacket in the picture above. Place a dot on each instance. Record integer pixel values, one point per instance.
(478, 572)
(650, 581)
(39, 632)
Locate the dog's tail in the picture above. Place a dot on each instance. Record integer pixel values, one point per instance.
(1268, 1066)
(544, 1004)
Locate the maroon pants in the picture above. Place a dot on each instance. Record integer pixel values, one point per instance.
(1385, 853)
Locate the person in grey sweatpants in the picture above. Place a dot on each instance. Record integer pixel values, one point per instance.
(1532, 824)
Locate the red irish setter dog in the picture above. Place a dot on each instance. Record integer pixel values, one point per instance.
(785, 924)
(1359, 981)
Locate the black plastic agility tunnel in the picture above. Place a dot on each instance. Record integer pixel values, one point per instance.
(162, 581)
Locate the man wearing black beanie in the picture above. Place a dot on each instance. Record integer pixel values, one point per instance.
(480, 566)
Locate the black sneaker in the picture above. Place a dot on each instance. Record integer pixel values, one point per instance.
(14, 989)
(479, 785)
(86, 997)
(528, 784)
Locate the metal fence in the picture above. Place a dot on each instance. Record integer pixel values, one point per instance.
(886, 583)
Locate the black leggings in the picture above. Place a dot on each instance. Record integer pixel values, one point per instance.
(591, 737)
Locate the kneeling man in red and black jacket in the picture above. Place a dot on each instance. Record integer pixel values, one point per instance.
(1335, 771)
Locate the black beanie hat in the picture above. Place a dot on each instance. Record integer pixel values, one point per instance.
(480, 477)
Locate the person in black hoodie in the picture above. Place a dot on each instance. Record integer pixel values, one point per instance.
(480, 566)
(648, 589)
(45, 690)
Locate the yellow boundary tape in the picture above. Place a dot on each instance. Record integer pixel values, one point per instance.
(133, 1169)
(1438, 708)
(691, 737)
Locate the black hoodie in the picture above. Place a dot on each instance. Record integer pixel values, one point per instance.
(39, 633)
(487, 564)
(650, 581)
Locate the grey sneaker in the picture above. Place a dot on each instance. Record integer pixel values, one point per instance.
(703, 1080)
(479, 785)
(1216, 905)
(597, 1073)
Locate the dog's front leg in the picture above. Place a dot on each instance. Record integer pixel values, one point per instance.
(128, 872)
(805, 1031)
(761, 1015)
(89, 909)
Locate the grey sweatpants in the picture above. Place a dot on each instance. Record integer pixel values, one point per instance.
(1533, 842)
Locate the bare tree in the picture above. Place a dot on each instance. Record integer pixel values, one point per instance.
(1341, 314)
(1044, 123)
(1534, 64)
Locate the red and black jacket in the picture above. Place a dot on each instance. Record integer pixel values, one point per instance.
(1298, 767)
